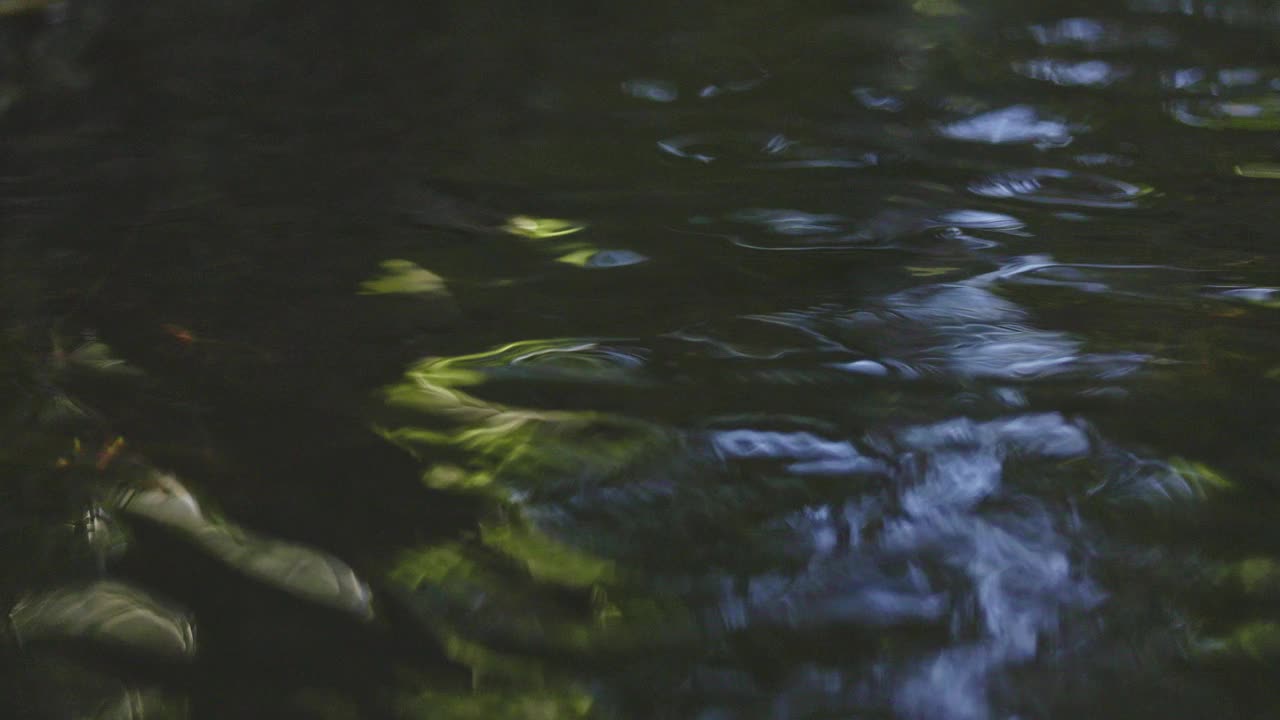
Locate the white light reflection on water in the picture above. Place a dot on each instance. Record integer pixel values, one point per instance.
(1053, 186)
(1091, 73)
(1228, 12)
(921, 549)
(875, 100)
(1019, 124)
(966, 331)
(953, 332)
(1101, 35)
(931, 489)
(806, 453)
(658, 91)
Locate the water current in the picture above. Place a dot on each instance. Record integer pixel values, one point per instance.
(902, 359)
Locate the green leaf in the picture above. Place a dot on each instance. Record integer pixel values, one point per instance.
(1201, 478)
(1259, 170)
(404, 278)
(540, 228)
(546, 558)
(95, 356)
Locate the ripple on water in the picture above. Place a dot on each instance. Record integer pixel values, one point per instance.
(803, 452)
(874, 99)
(1054, 186)
(764, 150)
(781, 221)
(936, 556)
(1217, 82)
(965, 331)
(783, 504)
(1262, 296)
(658, 91)
(951, 332)
(1252, 113)
(563, 359)
(789, 229)
(1146, 281)
(981, 220)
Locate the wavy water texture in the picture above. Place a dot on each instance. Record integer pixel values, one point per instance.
(912, 359)
(929, 529)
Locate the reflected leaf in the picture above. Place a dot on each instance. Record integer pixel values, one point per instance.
(454, 478)
(509, 591)
(596, 258)
(545, 558)
(166, 502)
(106, 612)
(97, 357)
(469, 596)
(1200, 477)
(1162, 486)
(431, 382)
(578, 257)
(926, 272)
(404, 277)
(1259, 170)
(547, 447)
(57, 407)
(540, 228)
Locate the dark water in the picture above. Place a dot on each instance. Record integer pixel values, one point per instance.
(670, 360)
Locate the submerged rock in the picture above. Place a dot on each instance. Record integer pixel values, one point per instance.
(108, 613)
(296, 569)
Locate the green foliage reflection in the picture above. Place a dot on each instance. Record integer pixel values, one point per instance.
(519, 586)
(405, 278)
(562, 704)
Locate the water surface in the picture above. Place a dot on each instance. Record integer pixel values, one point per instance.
(716, 360)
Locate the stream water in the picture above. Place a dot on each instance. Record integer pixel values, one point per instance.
(707, 360)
